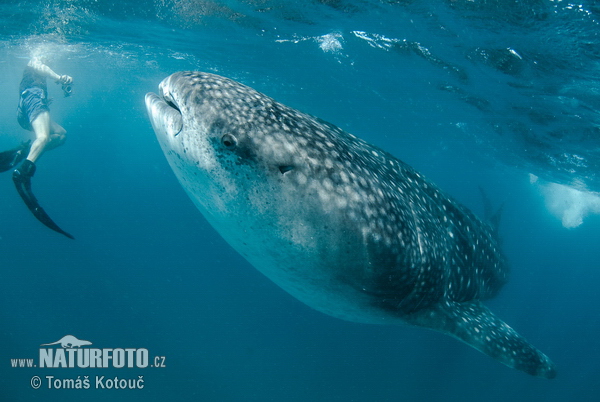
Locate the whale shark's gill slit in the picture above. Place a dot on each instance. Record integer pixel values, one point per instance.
(285, 168)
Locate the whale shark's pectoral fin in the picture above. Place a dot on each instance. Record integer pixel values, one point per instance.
(23, 184)
(472, 323)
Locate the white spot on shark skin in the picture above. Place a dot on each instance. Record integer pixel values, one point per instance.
(337, 223)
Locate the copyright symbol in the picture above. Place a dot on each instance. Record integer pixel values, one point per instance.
(36, 382)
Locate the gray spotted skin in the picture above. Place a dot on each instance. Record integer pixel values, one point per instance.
(339, 224)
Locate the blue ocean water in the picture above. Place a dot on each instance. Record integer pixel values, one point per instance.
(493, 94)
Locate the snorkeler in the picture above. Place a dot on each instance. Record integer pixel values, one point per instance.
(33, 114)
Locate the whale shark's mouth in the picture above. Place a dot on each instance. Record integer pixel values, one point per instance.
(164, 114)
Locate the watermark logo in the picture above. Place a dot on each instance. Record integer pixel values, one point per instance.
(69, 341)
(71, 352)
(72, 355)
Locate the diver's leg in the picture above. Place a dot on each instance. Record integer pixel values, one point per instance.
(57, 136)
(41, 128)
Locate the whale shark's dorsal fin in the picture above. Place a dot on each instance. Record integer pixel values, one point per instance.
(475, 325)
(491, 216)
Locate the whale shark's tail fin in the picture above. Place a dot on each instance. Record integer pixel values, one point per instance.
(11, 158)
(472, 323)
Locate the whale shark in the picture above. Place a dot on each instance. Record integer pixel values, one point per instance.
(340, 224)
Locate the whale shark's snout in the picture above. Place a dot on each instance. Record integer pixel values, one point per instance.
(164, 114)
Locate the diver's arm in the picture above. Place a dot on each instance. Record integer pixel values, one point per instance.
(46, 71)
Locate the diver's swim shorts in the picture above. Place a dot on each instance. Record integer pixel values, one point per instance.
(33, 101)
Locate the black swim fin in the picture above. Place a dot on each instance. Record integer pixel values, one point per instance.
(11, 158)
(22, 180)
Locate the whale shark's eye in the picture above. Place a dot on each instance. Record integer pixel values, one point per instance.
(229, 141)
